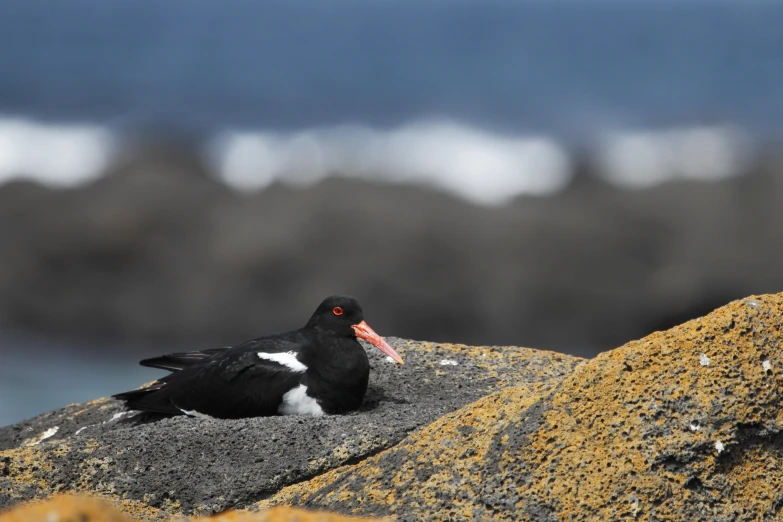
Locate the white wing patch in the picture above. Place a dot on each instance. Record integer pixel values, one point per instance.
(287, 359)
(297, 402)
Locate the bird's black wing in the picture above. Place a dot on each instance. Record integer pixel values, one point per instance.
(233, 383)
(179, 361)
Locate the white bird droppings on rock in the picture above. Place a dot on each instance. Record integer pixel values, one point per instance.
(704, 360)
(389, 359)
(719, 447)
(196, 414)
(695, 427)
(766, 365)
(448, 362)
(43, 436)
(116, 416)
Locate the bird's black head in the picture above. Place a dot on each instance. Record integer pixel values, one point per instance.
(343, 316)
(337, 314)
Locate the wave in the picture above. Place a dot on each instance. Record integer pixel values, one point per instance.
(642, 159)
(479, 166)
(58, 155)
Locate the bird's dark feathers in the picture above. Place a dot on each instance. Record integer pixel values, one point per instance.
(236, 382)
(179, 361)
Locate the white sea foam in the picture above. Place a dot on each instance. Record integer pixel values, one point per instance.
(643, 159)
(59, 155)
(480, 166)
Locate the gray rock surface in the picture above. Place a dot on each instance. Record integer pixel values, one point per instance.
(187, 465)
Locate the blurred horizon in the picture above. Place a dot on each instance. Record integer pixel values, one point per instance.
(563, 175)
(424, 91)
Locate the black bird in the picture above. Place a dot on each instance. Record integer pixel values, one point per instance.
(319, 369)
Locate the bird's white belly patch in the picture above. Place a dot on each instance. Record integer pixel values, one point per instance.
(297, 402)
(287, 359)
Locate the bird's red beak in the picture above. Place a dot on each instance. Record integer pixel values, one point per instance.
(363, 331)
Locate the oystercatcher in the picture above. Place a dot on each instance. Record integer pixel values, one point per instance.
(319, 369)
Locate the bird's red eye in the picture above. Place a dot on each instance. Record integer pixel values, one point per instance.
(337, 310)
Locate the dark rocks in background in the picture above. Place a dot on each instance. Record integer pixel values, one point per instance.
(159, 250)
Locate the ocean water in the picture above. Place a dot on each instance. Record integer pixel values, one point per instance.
(431, 91)
(559, 66)
(39, 374)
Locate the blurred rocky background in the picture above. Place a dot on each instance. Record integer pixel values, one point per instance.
(566, 175)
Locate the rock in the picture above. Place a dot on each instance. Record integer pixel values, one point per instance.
(282, 514)
(681, 425)
(201, 466)
(65, 508)
(160, 251)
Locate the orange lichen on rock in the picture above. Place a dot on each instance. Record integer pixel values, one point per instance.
(65, 508)
(185, 466)
(28, 467)
(681, 425)
(282, 514)
(71, 508)
(434, 471)
(667, 427)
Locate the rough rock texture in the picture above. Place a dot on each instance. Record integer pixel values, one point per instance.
(681, 425)
(160, 250)
(187, 465)
(66, 508)
(282, 514)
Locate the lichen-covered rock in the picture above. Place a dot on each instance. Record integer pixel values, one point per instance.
(681, 425)
(65, 508)
(283, 514)
(199, 466)
(68, 508)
